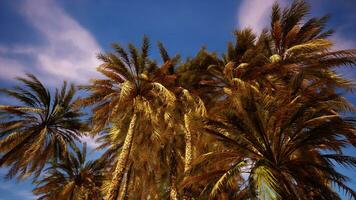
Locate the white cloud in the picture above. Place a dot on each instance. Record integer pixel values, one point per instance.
(254, 14)
(10, 68)
(68, 50)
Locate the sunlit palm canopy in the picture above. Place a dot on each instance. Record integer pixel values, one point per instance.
(38, 127)
(134, 85)
(129, 76)
(277, 148)
(293, 44)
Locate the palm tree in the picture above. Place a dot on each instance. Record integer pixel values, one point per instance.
(292, 45)
(72, 178)
(304, 48)
(279, 143)
(133, 101)
(40, 129)
(294, 56)
(296, 47)
(192, 111)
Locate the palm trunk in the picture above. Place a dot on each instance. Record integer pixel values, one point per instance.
(188, 146)
(126, 183)
(173, 194)
(188, 154)
(122, 162)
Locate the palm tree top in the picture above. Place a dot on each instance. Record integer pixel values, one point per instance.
(40, 126)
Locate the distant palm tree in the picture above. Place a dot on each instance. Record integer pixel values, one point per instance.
(284, 145)
(42, 128)
(134, 102)
(72, 178)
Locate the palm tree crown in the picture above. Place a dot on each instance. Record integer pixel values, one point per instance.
(40, 129)
(279, 144)
(72, 178)
(136, 106)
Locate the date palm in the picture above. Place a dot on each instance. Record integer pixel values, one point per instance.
(293, 44)
(193, 112)
(41, 128)
(72, 178)
(276, 147)
(133, 101)
(302, 46)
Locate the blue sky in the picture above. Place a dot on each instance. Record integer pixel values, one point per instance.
(59, 40)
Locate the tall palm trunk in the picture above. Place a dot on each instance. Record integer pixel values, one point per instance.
(122, 162)
(126, 185)
(188, 145)
(173, 194)
(188, 154)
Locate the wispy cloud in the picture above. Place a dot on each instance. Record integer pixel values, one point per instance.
(254, 14)
(68, 51)
(10, 67)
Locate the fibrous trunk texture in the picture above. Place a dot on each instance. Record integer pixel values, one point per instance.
(173, 195)
(122, 162)
(188, 154)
